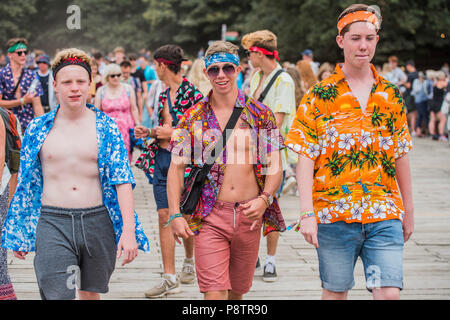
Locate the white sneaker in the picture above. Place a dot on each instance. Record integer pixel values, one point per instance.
(164, 287)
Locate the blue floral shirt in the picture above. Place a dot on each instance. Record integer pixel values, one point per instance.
(19, 230)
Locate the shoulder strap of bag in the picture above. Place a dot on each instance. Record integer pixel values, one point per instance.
(269, 85)
(18, 82)
(220, 143)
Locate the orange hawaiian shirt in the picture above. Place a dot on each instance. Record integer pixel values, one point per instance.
(354, 151)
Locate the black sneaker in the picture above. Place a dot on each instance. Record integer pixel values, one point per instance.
(270, 272)
(258, 265)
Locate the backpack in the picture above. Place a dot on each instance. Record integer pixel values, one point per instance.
(12, 140)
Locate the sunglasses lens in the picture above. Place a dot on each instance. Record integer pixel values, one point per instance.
(213, 72)
(228, 69)
(19, 53)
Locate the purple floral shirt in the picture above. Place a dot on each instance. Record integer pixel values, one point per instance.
(25, 114)
(199, 126)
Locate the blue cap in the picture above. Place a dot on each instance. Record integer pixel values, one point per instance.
(44, 58)
(307, 52)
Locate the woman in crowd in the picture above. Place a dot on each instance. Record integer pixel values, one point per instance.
(435, 105)
(118, 101)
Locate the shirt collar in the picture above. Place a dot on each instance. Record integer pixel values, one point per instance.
(339, 74)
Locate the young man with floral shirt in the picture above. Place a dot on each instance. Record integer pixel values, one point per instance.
(352, 138)
(24, 102)
(237, 196)
(75, 180)
(173, 102)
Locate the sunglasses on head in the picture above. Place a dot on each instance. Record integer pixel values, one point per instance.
(228, 70)
(115, 75)
(22, 52)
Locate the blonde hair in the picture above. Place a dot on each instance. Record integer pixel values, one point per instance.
(112, 68)
(71, 53)
(262, 38)
(221, 46)
(198, 78)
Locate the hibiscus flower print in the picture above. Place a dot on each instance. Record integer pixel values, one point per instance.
(390, 205)
(378, 211)
(403, 147)
(365, 139)
(365, 202)
(313, 151)
(385, 142)
(332, 134)
(356, 212)
(347, 141)
(342, 205)
(324, 216)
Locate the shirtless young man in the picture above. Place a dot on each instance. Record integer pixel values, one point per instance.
(76, 181)
(238, 194)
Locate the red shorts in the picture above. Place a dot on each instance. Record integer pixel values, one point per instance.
(226, 250)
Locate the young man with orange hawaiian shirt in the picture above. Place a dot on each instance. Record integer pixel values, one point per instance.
(352, 138)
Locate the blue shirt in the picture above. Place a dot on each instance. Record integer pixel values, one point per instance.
(19, 230)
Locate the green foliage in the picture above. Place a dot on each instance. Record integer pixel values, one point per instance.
(410, 28)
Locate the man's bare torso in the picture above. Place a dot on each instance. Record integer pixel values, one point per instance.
(239, 182)
(69, 159)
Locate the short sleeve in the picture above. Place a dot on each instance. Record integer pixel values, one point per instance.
(285, 97)
(402, 138)
(302, 137)
(181, 141)
(269, 134)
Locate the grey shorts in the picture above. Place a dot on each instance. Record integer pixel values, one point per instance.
(75, 248)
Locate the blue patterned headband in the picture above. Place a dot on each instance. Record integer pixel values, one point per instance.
(221, 57)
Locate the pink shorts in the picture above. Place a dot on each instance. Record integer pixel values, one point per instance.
(226, 250)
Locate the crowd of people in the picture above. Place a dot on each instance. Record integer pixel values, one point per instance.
(151, 101)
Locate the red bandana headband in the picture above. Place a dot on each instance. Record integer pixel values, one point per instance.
(162, 60)
(265, 52)
(358, 16)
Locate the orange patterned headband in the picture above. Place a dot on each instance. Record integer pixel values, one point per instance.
(358, 16)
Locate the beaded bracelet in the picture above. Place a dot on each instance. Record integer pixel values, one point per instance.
(174, 216)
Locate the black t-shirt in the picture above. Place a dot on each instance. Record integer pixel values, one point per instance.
(139, 74)
(411, 77)
(44, 84)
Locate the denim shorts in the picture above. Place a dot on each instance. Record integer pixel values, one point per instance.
(162, 164)
(379, 244)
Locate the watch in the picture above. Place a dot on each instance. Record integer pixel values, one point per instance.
(269, 197)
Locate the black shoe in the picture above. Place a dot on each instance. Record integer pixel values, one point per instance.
(270, 272)
(258, 265)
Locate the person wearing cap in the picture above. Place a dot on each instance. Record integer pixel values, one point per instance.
(74, 202)
(237, 197)
(352, 138)
(262, 51)
(308, 55)
(48, 99)
(179, 96)
(19, 87)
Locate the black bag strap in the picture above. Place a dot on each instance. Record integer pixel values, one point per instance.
(269, 85)
(172, 112)
(18, 82)
(220, 145)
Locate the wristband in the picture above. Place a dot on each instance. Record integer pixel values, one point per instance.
(302, 216)
(22, 102)
(174, 216)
